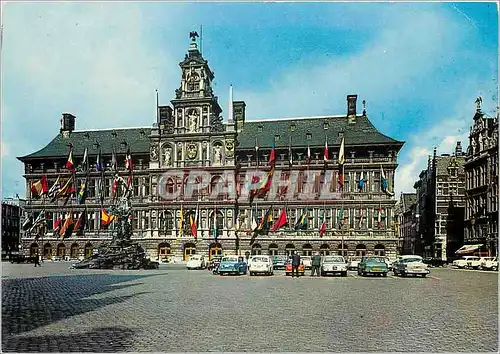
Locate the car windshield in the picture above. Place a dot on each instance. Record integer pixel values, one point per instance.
(409, 260)
(195, 258)
(259, 259)
(375, 259)
(333, 260)
(230, 259)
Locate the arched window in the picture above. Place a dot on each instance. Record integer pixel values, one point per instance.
(379, 250)
(307, 250)
(324, 250)
(289, 248)
(33, 249)
(219, 222)
(170, 186)
(74, 250)
(273, 249)
(164, 251)
(47, 251)
(61, 250)
(360, 250)
(89, 250)
(256, 249)
(216, 188)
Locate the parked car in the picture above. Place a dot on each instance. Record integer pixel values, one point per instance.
(232, 265)
(465, 261)
(214, 263)
(372, 265)
(261, 264)
(196, 261)
(411, 265)
(279, 262)
(333, 265)
(288, 268)
(389, 262)
(353, 263)
(307, 261)
(489, 263)
(435, 262)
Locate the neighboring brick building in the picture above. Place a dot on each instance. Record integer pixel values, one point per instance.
(191, 136)
(11, 225)
(407, 222)
(481, 170)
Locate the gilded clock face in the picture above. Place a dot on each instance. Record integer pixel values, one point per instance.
(192, 151)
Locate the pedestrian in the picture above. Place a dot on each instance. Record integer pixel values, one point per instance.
(295, 264)
(316, 263)
(37, 261)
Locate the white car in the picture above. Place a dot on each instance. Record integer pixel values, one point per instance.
(489, 263)
(411, 265)
(465, 261)
(306, 261)
(196, 261)
(333, 264)
(260, 264)
(353, 263)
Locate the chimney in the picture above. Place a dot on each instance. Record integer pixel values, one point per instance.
(67, 123)
(351, 108)
(458, 149)
(239, 114)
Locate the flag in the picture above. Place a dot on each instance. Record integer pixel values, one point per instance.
(341, 164)
(67, 222)
(193, 220)
(272, 158)
(27, 223)
(128, 160)
(114, 164)
(361, 182)
(40, 219)
(360, 218)
(85, 161)
(254, 225)
(290, 154)
(308, 156)
(322, 228)
(263, 187)
(340, 217)
(100, 189)
(325, 154)
(264, 225)
(256, 147)
(114, 188)
(106, 218)
(57, 225)
(98, 163)
(281, 221)
(284, 190)
(69, 226)
(80, 223)
(379, 218)
(66, 190)
(236, 219)
(181, 221)
(69, 164)
(55, 187)
(384, 184)
(82, 194)
(301, 224)
(40, 187)
(214, 224)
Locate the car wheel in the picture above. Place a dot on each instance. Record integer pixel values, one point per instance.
(287, 273)
(384, 274)
(424, 275)
(251, 274)
(403, 274)
(344, 274)
(363, 273)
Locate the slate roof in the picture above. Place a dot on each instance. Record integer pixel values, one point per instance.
(408, 200)
(107, 138)
(442, 163)
(360, 133)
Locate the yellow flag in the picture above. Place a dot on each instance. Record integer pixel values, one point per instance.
(181, 220)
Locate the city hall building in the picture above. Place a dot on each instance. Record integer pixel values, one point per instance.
(190, 136)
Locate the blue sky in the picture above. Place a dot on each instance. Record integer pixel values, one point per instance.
(419, 66)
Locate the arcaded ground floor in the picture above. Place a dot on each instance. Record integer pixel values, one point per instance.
(56, 309)
(183, 248)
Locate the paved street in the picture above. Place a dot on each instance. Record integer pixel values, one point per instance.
(56, 309)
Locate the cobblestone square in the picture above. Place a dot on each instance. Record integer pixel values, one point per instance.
(55, 309)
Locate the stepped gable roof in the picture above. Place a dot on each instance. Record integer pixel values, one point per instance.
(137, 139)
(360, 133)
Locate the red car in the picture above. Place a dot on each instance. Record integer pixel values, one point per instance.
(288, 268)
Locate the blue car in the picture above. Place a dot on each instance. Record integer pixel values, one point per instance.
(232, 265)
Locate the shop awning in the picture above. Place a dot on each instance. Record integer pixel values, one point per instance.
(465, 249)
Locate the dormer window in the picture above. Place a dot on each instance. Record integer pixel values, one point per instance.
(308, 136)
(114, 134)
(293, 127)
(325, 125)
(260, 128)
(341, 134)
(276, 137)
